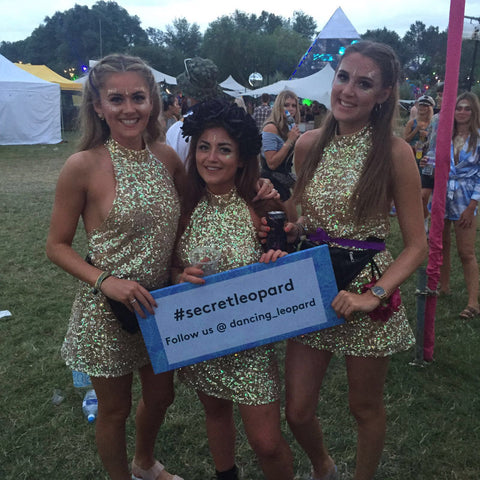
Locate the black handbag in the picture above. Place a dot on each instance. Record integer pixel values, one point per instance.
(347, 263)
(282, 178)
(127, 319)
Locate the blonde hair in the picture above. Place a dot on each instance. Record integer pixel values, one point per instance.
(277, 116)
(95, 131)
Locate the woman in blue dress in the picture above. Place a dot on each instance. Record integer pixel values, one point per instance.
(463, 193)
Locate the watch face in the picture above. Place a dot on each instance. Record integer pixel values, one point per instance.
(379, 292)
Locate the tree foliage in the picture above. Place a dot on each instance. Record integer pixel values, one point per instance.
(239, 44)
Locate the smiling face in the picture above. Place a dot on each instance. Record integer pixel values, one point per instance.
(357, 88)
(217, 159)
(126, 105)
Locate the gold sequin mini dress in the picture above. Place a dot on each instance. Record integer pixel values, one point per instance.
(134, 242)
(249, 377)
(325, 204)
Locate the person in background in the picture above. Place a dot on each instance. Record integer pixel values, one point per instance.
(280, 132)
(262, 111)
(416, 134)
(125, 185)
(349, 171)
(198, 83)
(240, 102)
(171, 110)
(463, 194)
(222, 169)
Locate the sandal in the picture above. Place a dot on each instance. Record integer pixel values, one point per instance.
(152, 473)
(469, 312)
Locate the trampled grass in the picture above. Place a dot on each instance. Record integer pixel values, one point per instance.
(433, 412)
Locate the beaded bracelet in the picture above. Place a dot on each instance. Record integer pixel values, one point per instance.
(103, 276)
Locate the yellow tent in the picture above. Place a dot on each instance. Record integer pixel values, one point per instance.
(45, 73)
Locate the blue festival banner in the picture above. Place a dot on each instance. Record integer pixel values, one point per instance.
(240, 309)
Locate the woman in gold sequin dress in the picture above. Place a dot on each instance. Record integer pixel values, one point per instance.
(222, 169)
(124, 185)
(349, 172)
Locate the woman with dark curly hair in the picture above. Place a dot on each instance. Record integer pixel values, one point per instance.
(222, 171)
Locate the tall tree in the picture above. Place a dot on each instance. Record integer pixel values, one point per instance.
(184, 37)
(304, 24)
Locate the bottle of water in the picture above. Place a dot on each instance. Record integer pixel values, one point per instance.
(90, 405)
(290, 120)
(81, 382)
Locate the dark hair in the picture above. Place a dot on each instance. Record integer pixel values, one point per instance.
(241, 127)
(372, 193)
(95, 131)
(168, 100)
(265, 97)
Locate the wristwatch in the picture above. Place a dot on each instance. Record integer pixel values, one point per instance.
(379, 292)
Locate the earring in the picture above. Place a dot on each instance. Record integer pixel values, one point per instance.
(378, 108)
(101, 117)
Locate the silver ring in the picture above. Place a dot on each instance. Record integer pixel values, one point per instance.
(133, 301)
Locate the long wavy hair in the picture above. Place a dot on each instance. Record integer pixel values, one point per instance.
(277, 116)
(373, 192)
(474, 124)
(95, 131)
(241, 127)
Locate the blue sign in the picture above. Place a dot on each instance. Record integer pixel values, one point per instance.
(241, 309)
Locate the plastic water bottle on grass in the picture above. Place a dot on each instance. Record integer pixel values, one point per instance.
(81, 382)
(90, 405)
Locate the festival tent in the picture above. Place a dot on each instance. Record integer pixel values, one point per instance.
(315, 87)
(45, 73)
(231, 84)
(327, 47)
(29, 107)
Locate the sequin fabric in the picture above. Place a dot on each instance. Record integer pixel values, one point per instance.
(134, 242)
(325, 204)
(249, 377)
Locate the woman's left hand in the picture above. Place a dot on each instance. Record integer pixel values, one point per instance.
(346, 303)
(466, 217)
(265, 190)
(272, 256)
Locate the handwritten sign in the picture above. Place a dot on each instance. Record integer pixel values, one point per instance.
(241, 309)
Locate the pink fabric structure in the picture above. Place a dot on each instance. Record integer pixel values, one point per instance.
(442, 168)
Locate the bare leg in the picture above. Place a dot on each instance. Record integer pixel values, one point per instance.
(114, 403)
(466, 251)
(220, 430)
(157, 396)
(304, 371)
(262, 426)
(366, 378)
(445, 268)
(426, 192)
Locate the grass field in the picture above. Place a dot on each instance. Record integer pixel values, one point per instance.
(433, 412)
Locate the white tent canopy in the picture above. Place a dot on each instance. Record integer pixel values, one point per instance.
(29, 107)
(231, 84)
(315, 87)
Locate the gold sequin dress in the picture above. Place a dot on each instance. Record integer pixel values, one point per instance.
(249, 377)
(325, 204)
(134, 242)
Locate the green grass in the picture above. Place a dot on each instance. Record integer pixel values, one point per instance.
(433, 425)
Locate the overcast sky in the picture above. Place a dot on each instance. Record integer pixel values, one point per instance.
(18, 20)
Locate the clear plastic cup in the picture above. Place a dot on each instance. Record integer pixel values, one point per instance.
(207, 258)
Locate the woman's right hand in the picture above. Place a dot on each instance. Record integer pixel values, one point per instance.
(293, 134)
(291, 229)
(192, 274)
(130, 293)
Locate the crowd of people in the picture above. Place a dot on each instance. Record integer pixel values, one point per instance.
(152, 184)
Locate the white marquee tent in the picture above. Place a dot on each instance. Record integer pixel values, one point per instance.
(314, 87)
(29, 107)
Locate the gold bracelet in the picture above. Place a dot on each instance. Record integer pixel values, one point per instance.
(98, 283)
